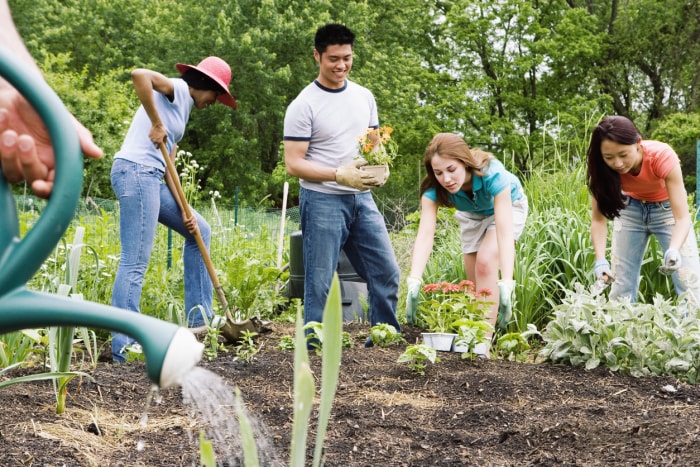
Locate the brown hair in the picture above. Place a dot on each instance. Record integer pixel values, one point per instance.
(452, 146)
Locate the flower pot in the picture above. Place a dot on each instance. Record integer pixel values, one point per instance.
(380, 172)
(459, 347)
(439, 340)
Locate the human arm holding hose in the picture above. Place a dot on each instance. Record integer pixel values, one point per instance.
(26, 152)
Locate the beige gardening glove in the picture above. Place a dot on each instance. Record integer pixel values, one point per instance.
(351, 175)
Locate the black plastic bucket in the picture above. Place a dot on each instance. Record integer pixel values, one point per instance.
(353, 288)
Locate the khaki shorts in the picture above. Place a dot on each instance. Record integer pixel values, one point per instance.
(473, 227)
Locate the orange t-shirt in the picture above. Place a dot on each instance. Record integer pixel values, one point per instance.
(658, 160)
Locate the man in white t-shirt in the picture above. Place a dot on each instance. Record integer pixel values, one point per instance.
(321, 130)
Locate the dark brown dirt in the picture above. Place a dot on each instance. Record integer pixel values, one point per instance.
(462, 412)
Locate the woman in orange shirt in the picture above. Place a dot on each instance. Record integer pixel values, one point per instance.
(639, 185)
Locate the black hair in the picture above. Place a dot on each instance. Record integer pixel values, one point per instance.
(603, 182)
(198, 80)
(333, 34)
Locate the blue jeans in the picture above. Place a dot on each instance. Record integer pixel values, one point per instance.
(144, 201)
(631, 232)
(351, 222)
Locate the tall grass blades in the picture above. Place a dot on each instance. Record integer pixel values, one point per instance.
(61, 338)
(304, 388)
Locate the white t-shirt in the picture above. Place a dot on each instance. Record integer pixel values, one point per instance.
(332, 121)
(137, 147)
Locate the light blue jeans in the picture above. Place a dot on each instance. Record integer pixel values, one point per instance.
(631, 232)
(351, 222)
(144, 201)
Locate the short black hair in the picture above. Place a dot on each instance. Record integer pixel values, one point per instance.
(198, 80)
(333, 34)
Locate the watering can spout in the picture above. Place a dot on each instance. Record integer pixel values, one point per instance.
(171, 351)
(183, 354)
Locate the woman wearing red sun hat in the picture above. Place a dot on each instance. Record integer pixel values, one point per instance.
(137, 174)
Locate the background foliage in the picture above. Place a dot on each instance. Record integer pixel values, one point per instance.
(510, 75)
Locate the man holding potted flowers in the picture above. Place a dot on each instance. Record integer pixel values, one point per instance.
(321, 130)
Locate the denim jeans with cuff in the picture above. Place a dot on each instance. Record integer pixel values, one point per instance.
(631, 231)
(352, 222)
(144, 201)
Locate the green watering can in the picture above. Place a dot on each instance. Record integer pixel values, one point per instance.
(171, 351)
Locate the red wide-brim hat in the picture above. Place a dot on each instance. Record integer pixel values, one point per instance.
(218, 70)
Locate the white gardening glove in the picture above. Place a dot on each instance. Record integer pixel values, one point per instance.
(351, 175)
(505, 303)
(413, 285)
(601, 268)
(672, 262)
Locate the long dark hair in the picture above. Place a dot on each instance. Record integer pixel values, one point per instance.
(603, 182)
(452, 146)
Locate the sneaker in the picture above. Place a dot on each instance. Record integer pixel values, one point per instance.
(369, 343)
(217, 321)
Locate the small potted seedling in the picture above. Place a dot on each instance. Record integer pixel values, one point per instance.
(447, 303)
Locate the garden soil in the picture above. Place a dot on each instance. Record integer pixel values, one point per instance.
(461, 412)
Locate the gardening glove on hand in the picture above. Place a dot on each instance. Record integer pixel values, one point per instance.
(351, 175)
(412, 299)
(602, 267)
(672, 262)
(505, 303)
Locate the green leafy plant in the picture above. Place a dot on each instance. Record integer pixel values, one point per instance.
(347, 341)
(418, 356)
(246, 348)
(513, 346)
(385, 335)
(304, 389)
(61, 338)
(254, 285)
(212, 346)
(286, 343)
(134, 353)
(640, 339)
(446, 302)
(207, 457)
(470, 332)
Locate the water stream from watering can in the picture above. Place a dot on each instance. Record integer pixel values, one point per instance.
(213, 405)
(153, 396)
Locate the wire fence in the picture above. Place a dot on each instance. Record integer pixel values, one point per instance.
(223, 216)
(219, 216)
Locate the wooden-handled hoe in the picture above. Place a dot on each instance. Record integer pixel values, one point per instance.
(231, 329)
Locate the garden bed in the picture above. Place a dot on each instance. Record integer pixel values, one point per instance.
(461, 412)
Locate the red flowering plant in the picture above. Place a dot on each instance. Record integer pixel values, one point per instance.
(447, 304)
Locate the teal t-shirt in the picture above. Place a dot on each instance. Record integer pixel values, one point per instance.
(484, 189)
